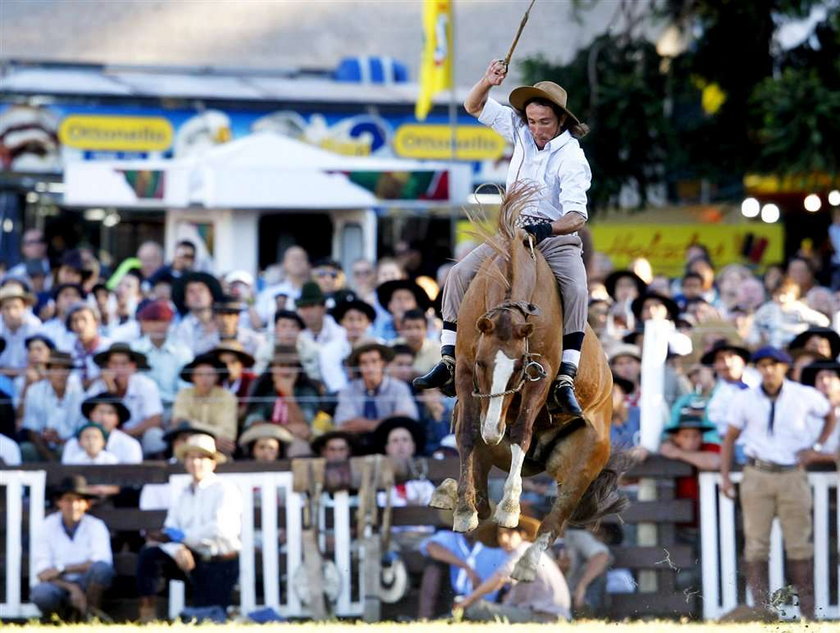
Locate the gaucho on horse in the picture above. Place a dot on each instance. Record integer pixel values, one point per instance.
(508, 412)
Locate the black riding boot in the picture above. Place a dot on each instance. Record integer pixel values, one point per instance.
(562, 398)
(442, 375)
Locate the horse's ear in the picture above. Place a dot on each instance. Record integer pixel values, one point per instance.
(523, 330)
(484, 325)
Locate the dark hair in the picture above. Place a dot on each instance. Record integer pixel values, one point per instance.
(290, 316)
(187, 243)
(692, 275)
(413, 315)
(400, 348)
(578, 130)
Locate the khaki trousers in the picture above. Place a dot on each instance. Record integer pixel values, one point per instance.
(565, 258)
(786, 495)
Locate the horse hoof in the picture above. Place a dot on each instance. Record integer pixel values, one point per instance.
(525, 571)
(507, 517)
(465, 522)
(445, 495)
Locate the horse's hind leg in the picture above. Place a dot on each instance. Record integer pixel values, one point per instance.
(481, 469)
(574, 463)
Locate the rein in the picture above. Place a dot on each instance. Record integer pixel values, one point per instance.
(531, 370)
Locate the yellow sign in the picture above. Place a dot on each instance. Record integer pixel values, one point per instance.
(664, 244)
(473, 142)
(116, 133)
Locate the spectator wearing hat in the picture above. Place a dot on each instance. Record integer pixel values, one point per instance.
(285, 395)
(206, 403)
(546, 599)
(729, 362)
(413, 329)
(356, 318)
(139, 393)
(334, 446)
(106, 410)
(402, 439)
(64, 296)
(194, 294)
(17, 324)
(623, 287)
(264, 441)
(626, 362)
(51, 410)
(287, 329)
(227, 313)
(83, 321)
(374, 396)
(91, 438)
(824, 376)
(653, 306)
(72, 555)
(312, 308)
(398, 296)
(329, 276)
(183, 262)
(201, 538)
(774, 419)
(296, 272)
(165, 355)
(825, 341)
(779, 320)
(38, 348)
(240, 379)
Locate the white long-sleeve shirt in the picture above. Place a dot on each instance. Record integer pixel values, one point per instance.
(53, 547)
(210, 515)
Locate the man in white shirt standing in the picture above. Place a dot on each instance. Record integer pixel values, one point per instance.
(547, 156)
(773, 420)
(73, 558)
(200, 541)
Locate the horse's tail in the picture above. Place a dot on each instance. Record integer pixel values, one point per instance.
(602, 497)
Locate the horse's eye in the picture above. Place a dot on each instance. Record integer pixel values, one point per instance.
(480, 364)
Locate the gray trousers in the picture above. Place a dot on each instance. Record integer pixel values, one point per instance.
(483, 611)
(565, 258)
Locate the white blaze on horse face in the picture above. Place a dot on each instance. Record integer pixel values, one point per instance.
(502, 371)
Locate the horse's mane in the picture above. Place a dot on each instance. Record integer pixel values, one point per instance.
(513, 203)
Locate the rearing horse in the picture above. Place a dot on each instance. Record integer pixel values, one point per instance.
(503, 376)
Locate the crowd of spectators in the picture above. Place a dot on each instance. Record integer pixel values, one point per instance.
(103, 366)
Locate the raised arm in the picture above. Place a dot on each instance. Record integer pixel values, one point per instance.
(493, 76)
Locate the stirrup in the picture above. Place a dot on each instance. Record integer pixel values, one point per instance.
(562, 398)
(441, 376)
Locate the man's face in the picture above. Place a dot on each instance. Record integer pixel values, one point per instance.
(326, 278)
(413, 331)
(128, 289)
(65, 299)
(286, 332)
(313, 316)
(204, 378)
(402, 367)
(227, 322)
(336, 450)
(197, 296)
(13, 311)
(508, 539)
(363, 274)
(92, 441)
(626, 289)
(772, 373)
(155, 330)
(692, 287)
(266, 449)
(627, 367)
(151, 259)
(37, 353)
(543, 123)
(121, 366)
(72, 507)
(58, 375)
(819, 345)
(688, 439)
(355, 323)
(400, 444)
(198, 464)
(654, 310)
(296, 262)
(728, 365)
(184, 258)
(106, 415)
(68, 275)
(827, 382)
(83, 324)
(33, 245)
(372, 367)
(234, 364)
(401, 302)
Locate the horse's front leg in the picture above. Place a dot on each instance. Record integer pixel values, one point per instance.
(533, 398)
(465, 517)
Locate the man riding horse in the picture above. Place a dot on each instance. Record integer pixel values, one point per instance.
(547, 155)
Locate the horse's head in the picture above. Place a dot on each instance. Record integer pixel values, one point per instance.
(502, 363)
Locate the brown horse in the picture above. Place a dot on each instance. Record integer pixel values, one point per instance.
(503, 375)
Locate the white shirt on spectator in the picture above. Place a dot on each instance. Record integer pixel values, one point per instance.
(330, 331)
(166, 363)
(210, 515)
(53, 548)
(560, 167)
(750, 413)
(125, 448)
(9, 451)
(266, 304)
(103, 458)
(86, 368)
(126, 332)
(43, 409)
(14, 356)
(57, 331)
(142, 398)
(331, 359)
(192, 333)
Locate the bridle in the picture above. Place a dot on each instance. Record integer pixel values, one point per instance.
(531, 371)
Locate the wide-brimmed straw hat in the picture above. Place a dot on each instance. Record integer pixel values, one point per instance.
(200, 443)
(235, 348)
(260, 430)
(487, 531)
(10, 292)
(547, 90)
